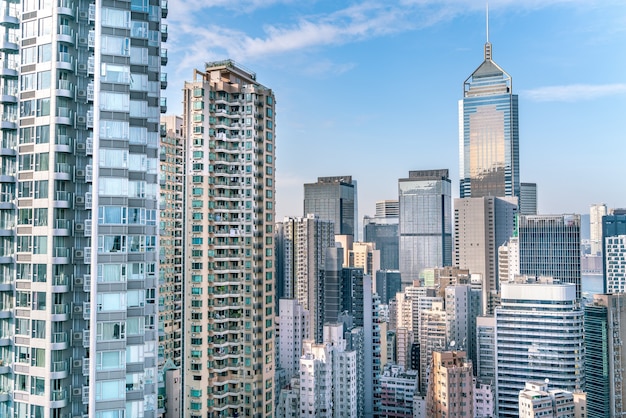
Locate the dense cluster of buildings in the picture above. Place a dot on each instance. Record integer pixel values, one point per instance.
(143, 272)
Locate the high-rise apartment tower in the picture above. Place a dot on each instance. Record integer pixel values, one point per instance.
(80, 158)
(229, 299)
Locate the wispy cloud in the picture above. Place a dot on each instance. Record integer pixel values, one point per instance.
(574, 92)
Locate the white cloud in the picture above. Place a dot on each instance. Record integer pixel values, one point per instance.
(574, 92)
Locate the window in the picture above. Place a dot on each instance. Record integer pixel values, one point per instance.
(112, 244)
(115, 18)
(108, 331)
(115, 73)
(113, 158)
(111, 273)
(115, 102)
(110, 360)
(115, 45)
(112, 215)
(107, 390)
(111, 302)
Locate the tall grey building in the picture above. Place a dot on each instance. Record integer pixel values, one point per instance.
(549, 245)
(382, 230)
(605, 354)
(528, 198)
(334, 199)
(425, 225)
(481, 225)
(301, 251)
(80, 149)
(229, 230)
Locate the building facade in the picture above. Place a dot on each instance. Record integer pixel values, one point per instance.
(425, 225)
(549, 245)
(596, 212)
(229, 299)
(481, 225)
(615, 264)
(293, 330)
(382, 230)
(528, 198)
(79, 167)
(605, 325)
(538, 336)
(334, 199)
(451, 389)
(489, 133)
(171, 179)
(397, 389)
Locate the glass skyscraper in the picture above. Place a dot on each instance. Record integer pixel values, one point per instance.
(489, 135)
(333, 199)
(425, 224)
(549, 245)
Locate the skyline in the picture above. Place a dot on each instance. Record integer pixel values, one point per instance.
(571, 108)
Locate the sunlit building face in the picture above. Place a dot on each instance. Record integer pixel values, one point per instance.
(489, 139)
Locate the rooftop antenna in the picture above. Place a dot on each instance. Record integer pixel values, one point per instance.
(487, 44)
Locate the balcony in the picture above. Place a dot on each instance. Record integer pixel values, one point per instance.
(163, 81)
(163, 56)
(66, 7)
(164, 9)
(65, 60)
(163, 32)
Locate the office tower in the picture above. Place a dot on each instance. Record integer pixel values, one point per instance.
(364, 255)
(615, 264)
(432, 337)
(229, 297)
(301, 245)
(451, 390)
(489, 133)
(382, 230)
(326, 297)
(293, 329)
(486, 349)
(605, 356)
(612, 226)
(397, 388)
(79, 156)
(538, 336)
(425, 227)
(388, 283)
(528, 199)
(596, 212)
(334, 199)
(549, 245)
(481, 225)
(301, 249)
(171, 179)
(536, 400)
(352, 295)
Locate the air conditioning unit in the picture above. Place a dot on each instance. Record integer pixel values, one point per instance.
(78, 309)
(80, 146)
(77, 392)
(80, 173)
(82, 67)
(79, 227)
(78, 336)
(80, 200)
(78, 281)
(83, 15)
(79, 254)
(81, 119)
(81, 93)
(82, 40)
(77, 363)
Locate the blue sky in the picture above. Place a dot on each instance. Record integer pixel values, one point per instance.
(370, 88)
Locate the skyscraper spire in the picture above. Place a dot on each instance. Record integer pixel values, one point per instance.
(487, 44)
